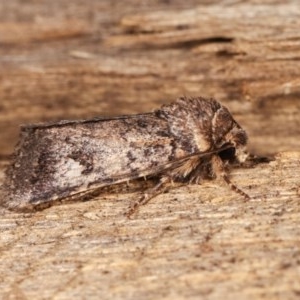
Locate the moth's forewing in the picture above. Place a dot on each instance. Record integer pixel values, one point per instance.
(59, 160)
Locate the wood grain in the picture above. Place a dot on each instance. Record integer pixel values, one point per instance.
(195, 241)
(132, 59)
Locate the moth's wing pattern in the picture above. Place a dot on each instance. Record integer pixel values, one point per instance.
(58, 160)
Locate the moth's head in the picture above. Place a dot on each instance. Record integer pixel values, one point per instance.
(235, 144)
(228, 135)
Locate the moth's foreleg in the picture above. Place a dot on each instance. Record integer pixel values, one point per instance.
(220, 171)
(149, 194)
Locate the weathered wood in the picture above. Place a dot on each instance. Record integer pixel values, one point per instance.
(245, 55)
(104, 58)
(193, 241)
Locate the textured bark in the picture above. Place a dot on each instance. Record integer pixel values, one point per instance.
(67, 60)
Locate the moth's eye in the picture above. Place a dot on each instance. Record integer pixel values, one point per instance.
(227, 154)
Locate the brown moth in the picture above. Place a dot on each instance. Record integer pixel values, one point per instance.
(186, 141)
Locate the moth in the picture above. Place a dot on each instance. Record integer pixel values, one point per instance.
(185, 141)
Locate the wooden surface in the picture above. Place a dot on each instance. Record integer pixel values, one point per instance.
(191, 242)
(64, 60)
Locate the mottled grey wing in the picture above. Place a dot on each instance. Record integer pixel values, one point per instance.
(57, 160)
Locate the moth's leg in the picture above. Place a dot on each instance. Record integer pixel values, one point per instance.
(220, 171)
(202, 171)
(149, 194)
